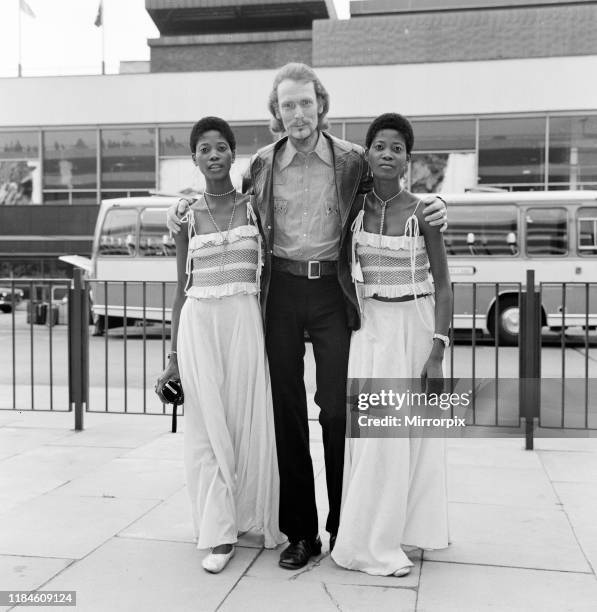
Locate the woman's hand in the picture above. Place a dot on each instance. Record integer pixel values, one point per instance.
(170, 373)
(432, 376)
(175, 213)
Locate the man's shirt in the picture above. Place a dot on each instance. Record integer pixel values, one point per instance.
(306, 214)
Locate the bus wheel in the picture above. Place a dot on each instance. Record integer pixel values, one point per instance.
(508, 324)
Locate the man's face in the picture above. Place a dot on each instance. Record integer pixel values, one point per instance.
(298, 108)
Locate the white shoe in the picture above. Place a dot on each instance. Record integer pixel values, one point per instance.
(403, 571)
(215, 563)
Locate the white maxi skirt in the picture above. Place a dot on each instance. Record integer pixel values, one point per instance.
(229, 442)
(394, 490)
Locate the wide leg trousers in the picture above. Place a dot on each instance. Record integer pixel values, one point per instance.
(296, 304)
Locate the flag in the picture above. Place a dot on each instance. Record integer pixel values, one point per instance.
(26, 8)
(99, 17)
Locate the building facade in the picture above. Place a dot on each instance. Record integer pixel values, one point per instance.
(501, 94)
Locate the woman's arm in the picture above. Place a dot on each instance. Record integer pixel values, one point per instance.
(438, 261)
(171, 372)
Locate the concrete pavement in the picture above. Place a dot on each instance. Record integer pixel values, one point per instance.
(105, 512)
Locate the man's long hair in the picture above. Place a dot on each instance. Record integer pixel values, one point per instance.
(298, 72)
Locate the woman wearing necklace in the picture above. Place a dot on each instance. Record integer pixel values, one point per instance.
(394, 489)
(218, 354)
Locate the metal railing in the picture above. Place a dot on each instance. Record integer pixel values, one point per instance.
(52, 362)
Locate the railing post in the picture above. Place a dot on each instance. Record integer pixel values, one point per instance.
(530, 357)
(78, 348)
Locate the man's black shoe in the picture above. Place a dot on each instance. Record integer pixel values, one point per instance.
(332, 541)
(297, 554)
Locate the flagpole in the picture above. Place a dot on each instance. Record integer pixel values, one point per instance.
(103, 44)
(19, 12)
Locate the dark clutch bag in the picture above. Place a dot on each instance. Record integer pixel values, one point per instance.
(173, 392)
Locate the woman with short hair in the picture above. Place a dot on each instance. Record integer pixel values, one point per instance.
(218, 354)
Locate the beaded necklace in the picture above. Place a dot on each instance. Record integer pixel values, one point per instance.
(384, 204)
(224, 240)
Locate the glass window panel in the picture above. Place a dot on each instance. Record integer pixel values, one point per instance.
(512, 151)
(249, 138)
(154, 238)
(128, 158)
(546, 231)
(356, 131)
(130, 193)
(335, 129)
(70, 197)
(573, 150)
(20, 182)
(446, 135)
(19, 145)
(174, 142)
(118, 234)
(482, 230)
(442, 172)
(587, 230)
(70, 159)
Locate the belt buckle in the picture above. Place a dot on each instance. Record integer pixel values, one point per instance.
(310, 273)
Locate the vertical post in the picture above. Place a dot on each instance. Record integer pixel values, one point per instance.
(78, 348)
(530, 357)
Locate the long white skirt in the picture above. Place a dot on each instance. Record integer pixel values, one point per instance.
(394, 490)
(229, 442)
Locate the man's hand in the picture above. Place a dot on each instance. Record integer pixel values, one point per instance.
(435, 212)
(175, 214)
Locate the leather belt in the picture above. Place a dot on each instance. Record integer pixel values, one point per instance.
(402, 298)
(309, 269)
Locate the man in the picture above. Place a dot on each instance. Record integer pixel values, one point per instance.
(306, 188)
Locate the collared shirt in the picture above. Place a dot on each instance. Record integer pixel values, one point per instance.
(306, 214)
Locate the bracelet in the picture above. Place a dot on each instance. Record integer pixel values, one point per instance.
(445, 339)
(171, 353)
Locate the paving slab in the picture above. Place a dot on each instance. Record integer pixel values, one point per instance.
(448, 587)
(128, 574)
(139, 478)
(537, 538)
(27, 573)
(323, 569)
(257, 595)
(500, 486)
(169, 520)
(43, 469)
(167, 446)
(562, 466)
(16, 440)
(65, 526)
(579, 500)
(349, 598)
(495, 454)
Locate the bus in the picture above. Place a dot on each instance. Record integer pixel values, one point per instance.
(132, 270)
(494, 238)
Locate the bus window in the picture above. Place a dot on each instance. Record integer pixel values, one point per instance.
(119, 231)
(482, 230)
(154, 239)
(586, 219)
(546, 231)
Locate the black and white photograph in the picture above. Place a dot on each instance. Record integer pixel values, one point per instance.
(298, 305)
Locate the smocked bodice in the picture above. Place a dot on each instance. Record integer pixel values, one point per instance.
(223, 264)
(392, 266)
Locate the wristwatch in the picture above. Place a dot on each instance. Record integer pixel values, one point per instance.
(444, 339)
